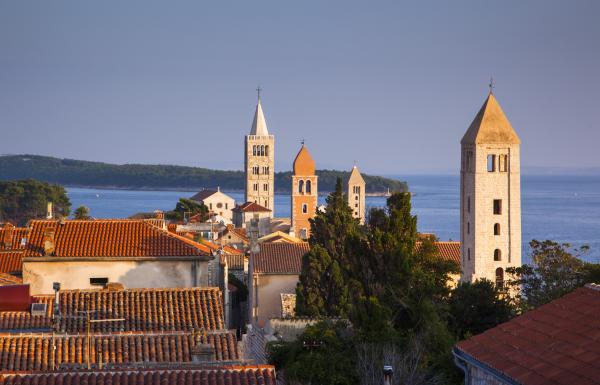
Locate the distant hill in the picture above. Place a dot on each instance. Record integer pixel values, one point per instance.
(80, 173)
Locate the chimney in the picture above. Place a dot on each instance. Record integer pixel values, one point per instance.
(50, 211)
(8, 236)
(49, 240)
(159, 214)
(388, 372)
(202, 352)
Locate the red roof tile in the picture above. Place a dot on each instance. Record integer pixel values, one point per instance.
(170, 309)
(449, 251)
(11, 261)
(280, 258)
(231, 375)
(554, 344)
(8, 279)
(33, 352)
(108, 238)
(12, 238)
(250, 207)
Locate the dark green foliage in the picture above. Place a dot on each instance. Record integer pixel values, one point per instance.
(556, 270)
(188, 207)
(71, 172)
(81, 212)
(476, 307)
(323, 354)
(23, 200)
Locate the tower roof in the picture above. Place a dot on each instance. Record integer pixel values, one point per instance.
(490, 126)
(304, 163)
(259, 125)
(355, 177)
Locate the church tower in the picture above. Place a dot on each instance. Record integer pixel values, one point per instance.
(490, 204)
(260, 162)
(356, 195)
(304, 194)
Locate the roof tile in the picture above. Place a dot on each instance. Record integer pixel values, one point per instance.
(280, 258)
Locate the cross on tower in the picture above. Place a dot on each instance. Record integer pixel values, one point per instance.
(258, 89)
(492, 85)
(302, 141)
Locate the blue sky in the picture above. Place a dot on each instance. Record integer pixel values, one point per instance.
(391, 85)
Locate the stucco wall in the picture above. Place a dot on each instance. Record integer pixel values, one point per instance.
(269, 289)
(132, 274)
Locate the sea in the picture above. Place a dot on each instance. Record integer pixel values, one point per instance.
(561, 208)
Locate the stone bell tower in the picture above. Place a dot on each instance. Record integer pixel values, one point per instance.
(490, 196)
(304, 194)
(260, 162)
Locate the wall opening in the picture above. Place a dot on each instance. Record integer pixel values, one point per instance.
(497, 255)
(497, 206)
(491, 163)
(497, 229)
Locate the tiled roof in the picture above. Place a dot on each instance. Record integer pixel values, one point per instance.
(11, 238)
(449, 251)
(250, 207)
(33, 352)
(230, 375)
(555, 344)
(8, 279)
(11, 261)
(108, 238)
(202, 195)
(236, 262)
(147, 310)
(280, 258)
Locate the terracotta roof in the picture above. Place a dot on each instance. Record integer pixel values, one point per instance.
(148, 310)
(250, 207)
(11, 238)
(278, 236)
(280, 258)
(8, 279)
(240, 233)
(556, 344)
(304, 164)
(236, 262)
(33, 352)
(108, 238)
(449, 250)
(11, 261)
(231, 375)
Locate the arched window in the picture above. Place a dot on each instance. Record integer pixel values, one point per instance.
(254, 150)
(496, 228)
(468, 204)
(491, 163)
(301, 187)
(500, 278)
(267, 150)
(468, 227)
(304, 208)
(262, 150)
(469, 254)
(308, 186)
(497, 255)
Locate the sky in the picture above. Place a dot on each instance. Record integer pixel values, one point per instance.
(390, 85)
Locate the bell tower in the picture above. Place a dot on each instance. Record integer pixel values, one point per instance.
(490, 197)
(259, 162)
(304, 194)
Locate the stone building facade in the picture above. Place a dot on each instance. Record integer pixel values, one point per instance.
(304, 194)
(356, 194)
(490, 196)
(259, 162)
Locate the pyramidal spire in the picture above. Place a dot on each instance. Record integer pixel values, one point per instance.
(490, 125)
(259, 125)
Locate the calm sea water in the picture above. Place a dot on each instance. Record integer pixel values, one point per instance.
(561, 208)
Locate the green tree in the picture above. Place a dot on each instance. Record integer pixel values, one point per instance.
(476, 307)
(188, 207)
(323, 354)
(23, 200)
(556, 270)
(323, 289)
(81, 212)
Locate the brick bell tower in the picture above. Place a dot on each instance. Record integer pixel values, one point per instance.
(304, 193)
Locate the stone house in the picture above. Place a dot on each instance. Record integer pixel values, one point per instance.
(217, 202)
(244, 214)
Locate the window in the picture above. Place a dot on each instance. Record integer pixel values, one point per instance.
(308, 186)
(265, 187)
(356, 205)
(219, 205)
(497, 255)
(496, 228)
(491, 163)
(98, 281)
(210, 206)
(254, 150)
(303, 234)
(468, 204)
(502, 163)
(255, 187)
(500, 278)
(262, 150)
(497, 206)
(304, 208)
(267, 150)
(468, 227)
(226, 206)
(356, 198)
(356, 189)
(469, 254)
(301, 186)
